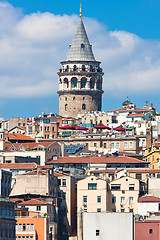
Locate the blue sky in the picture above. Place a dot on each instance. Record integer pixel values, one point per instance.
(125, 36)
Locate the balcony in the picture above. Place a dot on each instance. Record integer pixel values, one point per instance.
(65, 71)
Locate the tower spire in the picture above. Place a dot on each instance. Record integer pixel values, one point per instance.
(80, 11)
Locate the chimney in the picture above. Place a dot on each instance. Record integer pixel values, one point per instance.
(62, 149)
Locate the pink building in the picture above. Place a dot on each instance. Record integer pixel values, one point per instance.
(147, 230)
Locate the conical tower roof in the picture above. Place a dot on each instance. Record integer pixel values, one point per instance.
(80, 49)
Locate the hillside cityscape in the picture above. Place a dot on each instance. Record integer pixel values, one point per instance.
(82, 174)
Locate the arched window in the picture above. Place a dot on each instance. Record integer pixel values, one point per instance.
(92, 82)
(74, 98)
(83, 98)
(66, 107)
(74, 68)
(83, 82)
(83, 68)
(66, 84)
(83, 106)
(65, 98)
(74, 82)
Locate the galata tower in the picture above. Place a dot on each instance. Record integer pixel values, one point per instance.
(80, 77)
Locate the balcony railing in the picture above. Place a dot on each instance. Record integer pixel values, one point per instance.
(81, 70)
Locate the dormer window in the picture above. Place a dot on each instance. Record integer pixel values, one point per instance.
(82, 45)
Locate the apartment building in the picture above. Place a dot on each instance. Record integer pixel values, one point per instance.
(123, 195)
(67, 193)
(7, 220)
(91, 197)
(41, 152)
(5, 182)
(38, 181)
(152, 155)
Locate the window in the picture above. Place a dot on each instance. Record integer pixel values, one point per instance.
(85, 199)
(98, 209)
(118, 145)
(85, 209)
(95, 144)
(125, 145)
(83, 83)
(19, 238)
(83, 98)
(115, 186)
(130, 144)
(32, 227)
(97, 232)
(130, 200)
(113, 199)
(98, 199)
(64, 195)
(82, 46)
(138, 176)
(83, 68)
(92, 186)
(83, 106)
(113, 210)
(28, 227)
(63, 182)
(131, 210)
(75, 83)
(122, 209)
(52, 129)
(150, 231)
(104, 145)
(74, 68)
(112, 144)
(122, 200)
(20, 227)
(131, 187)
(66, 107)
(24, 227)
(91, 84)
(38, 208)
(74, 98)
(23, 237)
(111, 176)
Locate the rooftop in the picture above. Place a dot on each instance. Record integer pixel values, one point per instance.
(80, 49)
(34, 202)
(148, 199)
(96, 160)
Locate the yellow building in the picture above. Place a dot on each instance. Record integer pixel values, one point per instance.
(152, 155)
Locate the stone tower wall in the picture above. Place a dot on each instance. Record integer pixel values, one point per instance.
(74, 104)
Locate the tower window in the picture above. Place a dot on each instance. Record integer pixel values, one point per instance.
(75, 83)
(83, 83)
(91, 84)
(74, 68)
(83, 98)
(74, 98)
(83, 68)
(66, 107)
(83, 106)
(82, 45)
(65, 98)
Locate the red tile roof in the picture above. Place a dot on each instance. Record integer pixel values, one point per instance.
(137, 170)
(34, 202)
(57, 174)
(19, 165)
(135, 109)
(148, 199)
(96, 160)
(19, 136)
(28, 145)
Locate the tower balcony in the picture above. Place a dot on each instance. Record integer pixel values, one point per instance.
(80, 71)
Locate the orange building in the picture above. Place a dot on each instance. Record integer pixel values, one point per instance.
(32, 228)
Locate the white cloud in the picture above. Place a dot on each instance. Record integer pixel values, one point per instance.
(31, 47)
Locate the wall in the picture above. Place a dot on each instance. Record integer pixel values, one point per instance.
(110, 225)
